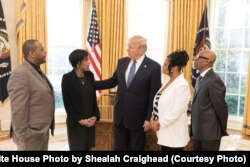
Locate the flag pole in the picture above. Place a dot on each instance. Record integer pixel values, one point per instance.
(204, 18)
(202, 41)
(93, 6)
(93, 45)
(205, 15)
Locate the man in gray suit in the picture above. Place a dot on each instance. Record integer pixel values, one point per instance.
(32, 100)
(209, 109)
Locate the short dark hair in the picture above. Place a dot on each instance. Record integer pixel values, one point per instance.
(178, 58)
(29, 45)
(77, 56)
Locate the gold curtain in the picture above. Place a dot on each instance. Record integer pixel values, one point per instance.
(246, 123)
(111, 20)
(86, 14)
(31, 24)
(185, 18)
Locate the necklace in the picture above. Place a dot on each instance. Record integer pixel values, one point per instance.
(82, 81)
(81, 78)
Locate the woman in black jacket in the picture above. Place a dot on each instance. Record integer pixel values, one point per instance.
(79, 98)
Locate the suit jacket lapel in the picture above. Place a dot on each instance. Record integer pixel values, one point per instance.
(75, 80)
(123, 68)
(202, 83)
(141, 70)
(38, 76)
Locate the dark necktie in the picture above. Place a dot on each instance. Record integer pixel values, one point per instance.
(131, 73)
(198, 83)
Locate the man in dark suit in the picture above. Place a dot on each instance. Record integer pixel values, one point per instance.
(138, 79)
(209, 109)
(32, 100)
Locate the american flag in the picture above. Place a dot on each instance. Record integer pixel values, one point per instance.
(202, 42)
(94, 46)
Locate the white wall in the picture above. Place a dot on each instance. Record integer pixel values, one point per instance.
(9, 8)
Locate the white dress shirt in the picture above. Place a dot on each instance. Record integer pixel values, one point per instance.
(138, 63)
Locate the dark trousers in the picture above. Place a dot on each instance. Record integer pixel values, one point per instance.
(164, 148)
(129, 139)
(201, 145)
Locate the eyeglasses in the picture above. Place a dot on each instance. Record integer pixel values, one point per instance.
(200, 57)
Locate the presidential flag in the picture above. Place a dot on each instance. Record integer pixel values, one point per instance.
(94, 46)
(202, 42)
(5, 64)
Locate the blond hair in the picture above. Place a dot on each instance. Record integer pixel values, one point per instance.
(141, 41)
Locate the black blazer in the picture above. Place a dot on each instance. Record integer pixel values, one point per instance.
(209, 112)
(74, 103)
(133, 104)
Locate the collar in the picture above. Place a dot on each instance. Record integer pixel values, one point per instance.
(139, 61)
(204, 72)
(33, 65)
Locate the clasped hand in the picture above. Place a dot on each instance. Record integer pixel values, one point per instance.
(88, 122)
(155, 125)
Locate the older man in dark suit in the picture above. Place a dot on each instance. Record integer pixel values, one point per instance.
(209, 109)
(32, 100)
(138, 79)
